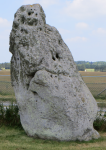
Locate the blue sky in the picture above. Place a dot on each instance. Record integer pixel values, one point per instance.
(81, 23)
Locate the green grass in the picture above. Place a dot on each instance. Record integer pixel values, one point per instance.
(95, 89)
(102, 105)
(7, 99)
(15, 139)
(6, 88)
(6, 91)
(101, 100)
(10, 115)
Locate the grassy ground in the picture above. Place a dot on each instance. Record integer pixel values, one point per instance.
(102, 105)
(101, 100)
(95, 84)
(93, 79)
(5, 78)
(15, 139)
(96, 89)
(6, 90)
(5, 72)
(83, 73)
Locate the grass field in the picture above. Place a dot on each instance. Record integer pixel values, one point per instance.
(5, 72)
(5, 78)
(95, 84)
(83, 73)
(6, 90)
(93, 79)
(15, 139)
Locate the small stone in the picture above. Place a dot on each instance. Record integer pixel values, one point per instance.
(53, 100)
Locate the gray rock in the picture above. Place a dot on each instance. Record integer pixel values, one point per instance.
(53, 100)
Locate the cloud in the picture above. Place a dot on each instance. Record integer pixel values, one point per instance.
(99, 31)
(44, 3)
(76, 39)
(81, 25)
(82, 9)
(63, 31)
(5, 23)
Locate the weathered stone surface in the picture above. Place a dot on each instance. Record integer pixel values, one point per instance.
(53, 100)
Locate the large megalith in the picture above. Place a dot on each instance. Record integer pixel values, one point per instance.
(53, 100)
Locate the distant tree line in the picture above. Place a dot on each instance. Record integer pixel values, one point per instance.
(5, 65)
(98, 66)
(92, 63)
(101, 68)
(81, 65)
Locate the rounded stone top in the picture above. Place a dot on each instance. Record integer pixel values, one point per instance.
(29, 15)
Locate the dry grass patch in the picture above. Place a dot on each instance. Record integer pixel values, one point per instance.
(101, 100)
(94, 79)
(6, 88)
(102, 105)
(83, 73)
(5, 72)
(5, 78)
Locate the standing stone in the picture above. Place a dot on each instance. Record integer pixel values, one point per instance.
(53, 100)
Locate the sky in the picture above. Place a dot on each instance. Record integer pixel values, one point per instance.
(81, 23)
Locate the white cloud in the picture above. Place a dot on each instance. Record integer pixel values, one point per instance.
(5, 23)
(81, 9)
(63, 31)
(81, 25)
(99, 31)
(44, 3)
(76, 39)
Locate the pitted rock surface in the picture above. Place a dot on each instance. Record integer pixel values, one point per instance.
(53, 100)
